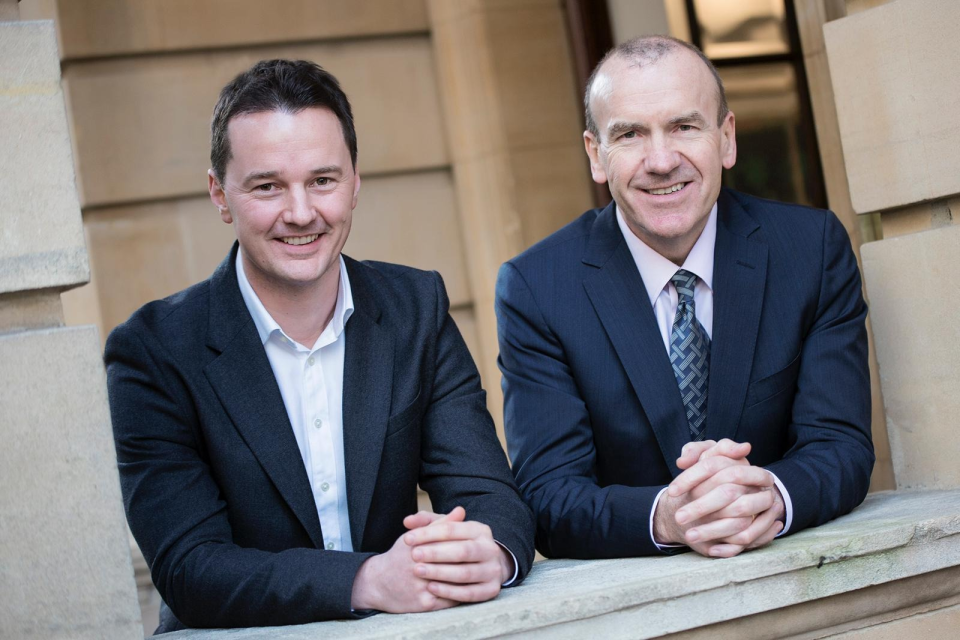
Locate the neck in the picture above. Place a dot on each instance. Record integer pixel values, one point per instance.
(676, 249)
(301, 311)
(676, 252)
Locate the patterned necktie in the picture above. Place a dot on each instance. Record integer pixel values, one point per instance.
(690, 355)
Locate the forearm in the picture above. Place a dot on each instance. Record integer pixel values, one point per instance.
(579, 520)
(824, 482)
(227, 586)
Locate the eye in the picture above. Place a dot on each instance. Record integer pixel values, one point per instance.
(322, 182)
(265, 188)
(629, 134)
(686, 127)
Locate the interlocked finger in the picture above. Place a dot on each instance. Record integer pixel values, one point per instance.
(758, 528)
(445, 530)
(455, 551)
(465, 573)
(703, 470)
(717, 499)
(748, 504)
(744, 475)
(717, 529)
(465, 593)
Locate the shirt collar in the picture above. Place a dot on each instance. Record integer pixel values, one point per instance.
(267, 326)
(656, 270)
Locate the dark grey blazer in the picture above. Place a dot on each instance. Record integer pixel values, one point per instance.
(213, 483)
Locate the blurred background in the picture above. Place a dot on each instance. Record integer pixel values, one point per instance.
(469, 117)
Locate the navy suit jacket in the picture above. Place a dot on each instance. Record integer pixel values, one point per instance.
(213, 483)
(593, 414)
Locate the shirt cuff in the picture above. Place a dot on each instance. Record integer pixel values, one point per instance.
(653, 510)
(516, 565)
(787, 504)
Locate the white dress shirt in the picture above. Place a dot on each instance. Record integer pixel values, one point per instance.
(656, 272)
(311, 385)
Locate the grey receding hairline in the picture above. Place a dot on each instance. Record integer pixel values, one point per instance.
(645, 50)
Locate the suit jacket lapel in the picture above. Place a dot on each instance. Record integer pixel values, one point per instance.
(243, 381)
(739, 278)
(618, 295)
(367, 390)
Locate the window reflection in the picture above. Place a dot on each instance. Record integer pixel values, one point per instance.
(742, 28)
(771, 158)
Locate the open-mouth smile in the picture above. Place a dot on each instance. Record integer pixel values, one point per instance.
(665, 191)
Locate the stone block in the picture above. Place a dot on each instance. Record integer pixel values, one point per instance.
(66, 570)
(911, 284)
(941, 624)
(545, 204)
(896, 77)
(30, 310)
(506, 76)
(41, 235)
(920, 217)
(142, 124)
(412, 220)
(119, 27)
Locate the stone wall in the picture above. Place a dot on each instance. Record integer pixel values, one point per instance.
(896, 77)
(65, 569)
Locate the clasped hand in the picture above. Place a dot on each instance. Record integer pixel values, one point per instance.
(442, 561)
(720, 504)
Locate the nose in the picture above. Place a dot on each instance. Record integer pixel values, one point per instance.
(298, 210)
(661, 157)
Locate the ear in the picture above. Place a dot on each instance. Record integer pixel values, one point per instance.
(728, 142)
(592, 146)
(218, 197)
(356, 188)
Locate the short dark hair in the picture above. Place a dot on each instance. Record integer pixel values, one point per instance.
(278, 85)
(647, 50)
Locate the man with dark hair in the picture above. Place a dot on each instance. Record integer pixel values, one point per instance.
(688, 366)
(273, 422)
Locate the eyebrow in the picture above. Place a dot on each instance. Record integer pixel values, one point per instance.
(622, 127)
(256, 176)
(694, 117)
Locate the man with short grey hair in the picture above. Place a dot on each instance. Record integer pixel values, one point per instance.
(688, 366)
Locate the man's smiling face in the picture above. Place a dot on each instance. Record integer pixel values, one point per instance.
(660, 148)
(289, 189)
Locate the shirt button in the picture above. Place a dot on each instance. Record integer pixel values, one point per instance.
(325, 487)
(317, 423)
(310, 361)
(330, 546)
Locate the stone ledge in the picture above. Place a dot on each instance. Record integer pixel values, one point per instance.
(892, 536)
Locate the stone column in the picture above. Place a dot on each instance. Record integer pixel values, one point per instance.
(896, 77)
(512, 115)
(66, 570)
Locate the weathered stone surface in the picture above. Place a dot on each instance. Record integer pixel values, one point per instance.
(142, 125)
(896, 77)
(893, 535)
(41, 237)
(65, 567)
(911, 283)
